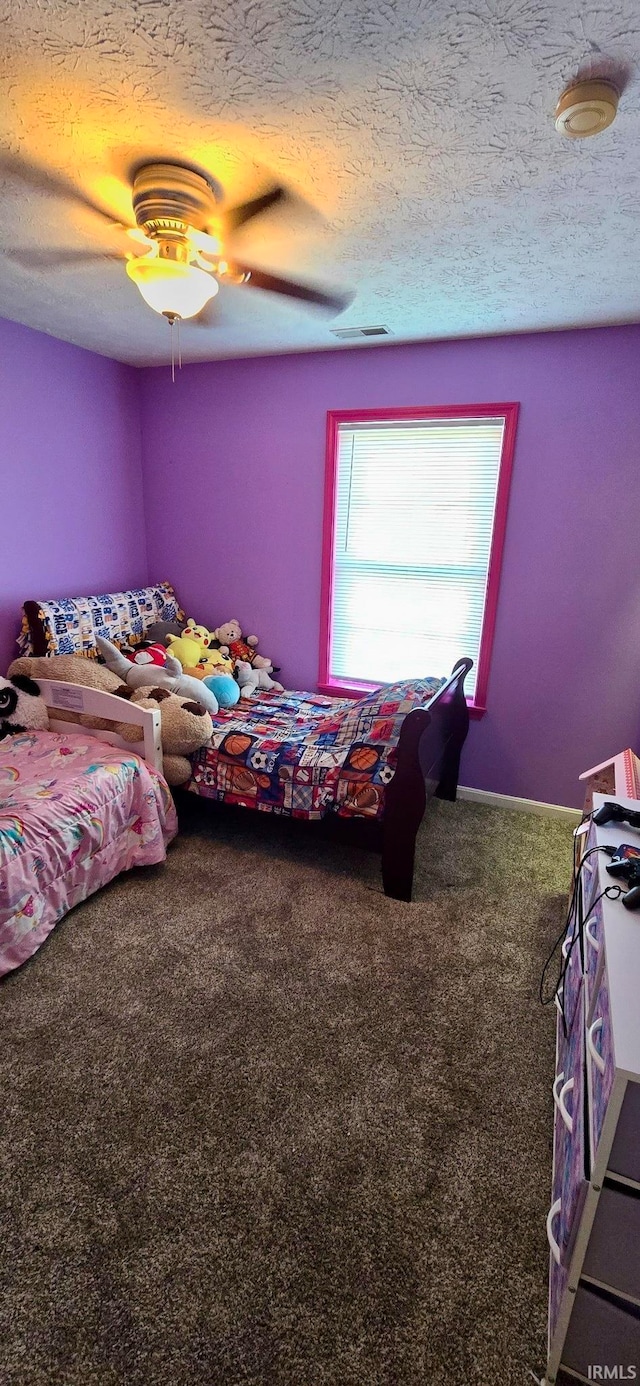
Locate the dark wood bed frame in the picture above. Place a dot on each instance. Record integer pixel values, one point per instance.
(429, 748)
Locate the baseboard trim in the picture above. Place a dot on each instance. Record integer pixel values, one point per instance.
(508, 801)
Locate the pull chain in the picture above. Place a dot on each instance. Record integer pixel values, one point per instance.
(172, 319)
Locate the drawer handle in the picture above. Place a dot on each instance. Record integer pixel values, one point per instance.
(551, 1217)
(589, 936)
(566, 1117)
(560, 1090)
(565, 950)
(591, 1044)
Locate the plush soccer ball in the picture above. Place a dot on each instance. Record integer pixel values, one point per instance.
(22, 707)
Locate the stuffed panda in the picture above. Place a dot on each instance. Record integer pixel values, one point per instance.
(22, 708)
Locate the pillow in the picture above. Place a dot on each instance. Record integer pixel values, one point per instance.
(70, 625)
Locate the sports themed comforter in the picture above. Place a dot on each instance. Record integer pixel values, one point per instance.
(74, 812)
(305, 755)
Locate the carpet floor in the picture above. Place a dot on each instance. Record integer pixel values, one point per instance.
(262, 1125)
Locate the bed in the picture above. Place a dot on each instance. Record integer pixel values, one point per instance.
(77, 807)
(362, 769)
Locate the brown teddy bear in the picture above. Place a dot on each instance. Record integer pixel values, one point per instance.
(231, 641)
(183, 729)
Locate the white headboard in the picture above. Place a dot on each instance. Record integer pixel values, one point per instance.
(71, 697)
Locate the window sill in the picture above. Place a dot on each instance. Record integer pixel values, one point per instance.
(343, 690)
(333, 689)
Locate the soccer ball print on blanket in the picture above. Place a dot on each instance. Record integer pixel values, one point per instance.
(304, 755)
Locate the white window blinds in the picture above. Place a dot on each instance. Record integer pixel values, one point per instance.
(414, 514)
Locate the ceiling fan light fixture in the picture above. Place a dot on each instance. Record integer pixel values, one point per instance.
(171, 288)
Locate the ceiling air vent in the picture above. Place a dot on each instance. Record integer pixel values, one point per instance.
(351, 334)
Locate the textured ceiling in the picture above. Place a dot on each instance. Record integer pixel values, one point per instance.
(421, 131)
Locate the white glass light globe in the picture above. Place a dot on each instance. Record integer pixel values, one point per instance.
(171, 288)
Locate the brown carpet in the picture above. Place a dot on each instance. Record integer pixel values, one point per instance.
(262, 1125)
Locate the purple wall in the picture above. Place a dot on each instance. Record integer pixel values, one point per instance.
(71, 481)
(233, 466)
(233, 458)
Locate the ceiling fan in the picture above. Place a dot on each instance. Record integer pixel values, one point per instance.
(182, 235)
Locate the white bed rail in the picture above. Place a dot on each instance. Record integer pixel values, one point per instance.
(72, 697)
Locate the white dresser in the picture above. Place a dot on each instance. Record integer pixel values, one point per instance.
(594, 1219)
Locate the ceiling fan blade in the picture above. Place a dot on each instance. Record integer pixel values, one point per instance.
(324, 298)
(47, 181)
(58, 259)
(236, 217)
(208, 244)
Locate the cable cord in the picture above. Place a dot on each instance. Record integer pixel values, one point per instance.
(548, 1000)
(565, 927)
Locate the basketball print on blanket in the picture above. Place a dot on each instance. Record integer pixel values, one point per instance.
(22, 708)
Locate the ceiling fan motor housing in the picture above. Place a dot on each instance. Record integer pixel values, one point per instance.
(168, 198)
(176, 208)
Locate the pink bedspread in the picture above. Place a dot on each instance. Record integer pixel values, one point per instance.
(74, 812)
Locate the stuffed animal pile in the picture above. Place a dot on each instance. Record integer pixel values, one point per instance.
(138, 672)
(185, 725)
(224, 659)
(188, 672)
(252, 670)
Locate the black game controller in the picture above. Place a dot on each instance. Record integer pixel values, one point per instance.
(626, 863)
(614, 813)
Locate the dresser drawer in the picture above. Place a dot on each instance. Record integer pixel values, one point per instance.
(589, 876)
(625, 1150)
(569, 1179)
(569, 1011)
(600, 1062)
(593, 936)
(572, 979)
(613, 1253)
(602, 1332)
(569, 1105)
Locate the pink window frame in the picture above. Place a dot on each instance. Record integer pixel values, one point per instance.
(335, 417)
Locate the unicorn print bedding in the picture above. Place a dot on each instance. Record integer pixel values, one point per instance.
(74, 812)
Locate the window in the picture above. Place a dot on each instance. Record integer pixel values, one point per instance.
(415, 514)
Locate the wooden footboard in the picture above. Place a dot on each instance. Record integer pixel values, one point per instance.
(429, 749)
